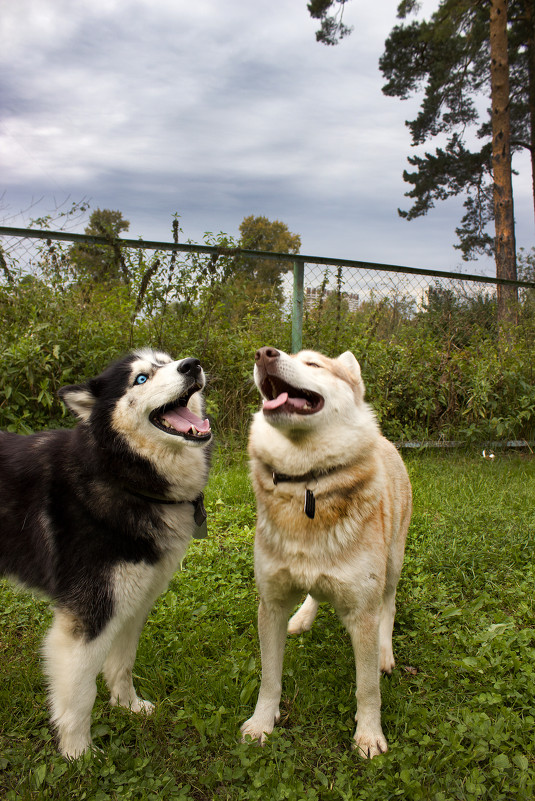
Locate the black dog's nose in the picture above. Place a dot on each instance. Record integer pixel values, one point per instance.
(190, 367)
(266, 354)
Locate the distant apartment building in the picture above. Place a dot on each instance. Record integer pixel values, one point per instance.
(314, 294)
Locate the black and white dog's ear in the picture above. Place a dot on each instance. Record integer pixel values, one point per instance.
(79, 398)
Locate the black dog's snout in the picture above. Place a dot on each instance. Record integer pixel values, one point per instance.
(191, 367)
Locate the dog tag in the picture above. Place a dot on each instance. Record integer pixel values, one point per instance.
(199, 515)
(310, 504)
(200, 532)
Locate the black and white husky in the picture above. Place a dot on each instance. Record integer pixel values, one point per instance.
(99, 517)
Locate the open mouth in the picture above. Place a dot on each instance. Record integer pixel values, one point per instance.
(283, 397)
(176, 419)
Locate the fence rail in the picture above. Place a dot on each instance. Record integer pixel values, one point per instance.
(214, 250)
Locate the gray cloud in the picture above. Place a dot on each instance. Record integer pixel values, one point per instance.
(216, 111)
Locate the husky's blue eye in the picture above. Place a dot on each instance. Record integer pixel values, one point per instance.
(141, 378)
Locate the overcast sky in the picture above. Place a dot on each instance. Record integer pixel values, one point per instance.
(217, 110)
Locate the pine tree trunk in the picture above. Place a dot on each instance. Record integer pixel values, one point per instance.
(501, 165)
(530, 25)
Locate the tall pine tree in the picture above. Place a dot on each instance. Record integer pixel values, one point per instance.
(468, 50)
(501, 162)
(448, 58)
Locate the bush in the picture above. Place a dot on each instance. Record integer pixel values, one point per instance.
(440, 372)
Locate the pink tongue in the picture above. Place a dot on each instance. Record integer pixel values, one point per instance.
(276, 402)
(182, 419)
(283, 398)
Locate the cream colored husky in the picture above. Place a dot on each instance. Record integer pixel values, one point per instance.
(334, 504)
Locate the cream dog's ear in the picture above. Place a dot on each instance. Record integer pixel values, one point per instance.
(350, 363)
(79, 398)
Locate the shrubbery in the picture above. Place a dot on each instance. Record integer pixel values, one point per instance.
(442, 372)
(438, 372)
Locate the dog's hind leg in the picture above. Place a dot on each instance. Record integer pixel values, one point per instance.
(388, 605)
(386, 625)
(72, 663)
(119, 665)
(304, 617)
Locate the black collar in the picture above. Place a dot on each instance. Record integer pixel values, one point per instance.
(312, 476)
(151, 498)
(310, 500)
(198, 503)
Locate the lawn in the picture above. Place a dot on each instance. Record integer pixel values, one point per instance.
(458, 711)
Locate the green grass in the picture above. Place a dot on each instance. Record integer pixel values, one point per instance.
(458, 711)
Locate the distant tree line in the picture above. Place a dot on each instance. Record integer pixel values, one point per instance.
(257, 277)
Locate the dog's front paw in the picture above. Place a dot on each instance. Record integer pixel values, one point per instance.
(369, 743)
(258, 727)
(144, 707)
(134, 704)
(72, 745)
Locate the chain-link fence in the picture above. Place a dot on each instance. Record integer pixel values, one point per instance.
(394, 293)
(348, 285)
(434, 361)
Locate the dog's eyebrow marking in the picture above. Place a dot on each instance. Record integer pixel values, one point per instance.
(156, 359)
(142, 363)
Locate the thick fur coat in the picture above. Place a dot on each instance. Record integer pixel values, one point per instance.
(99, 517)
(333, 509)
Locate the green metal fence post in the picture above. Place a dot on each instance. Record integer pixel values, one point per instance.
(297, 309)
